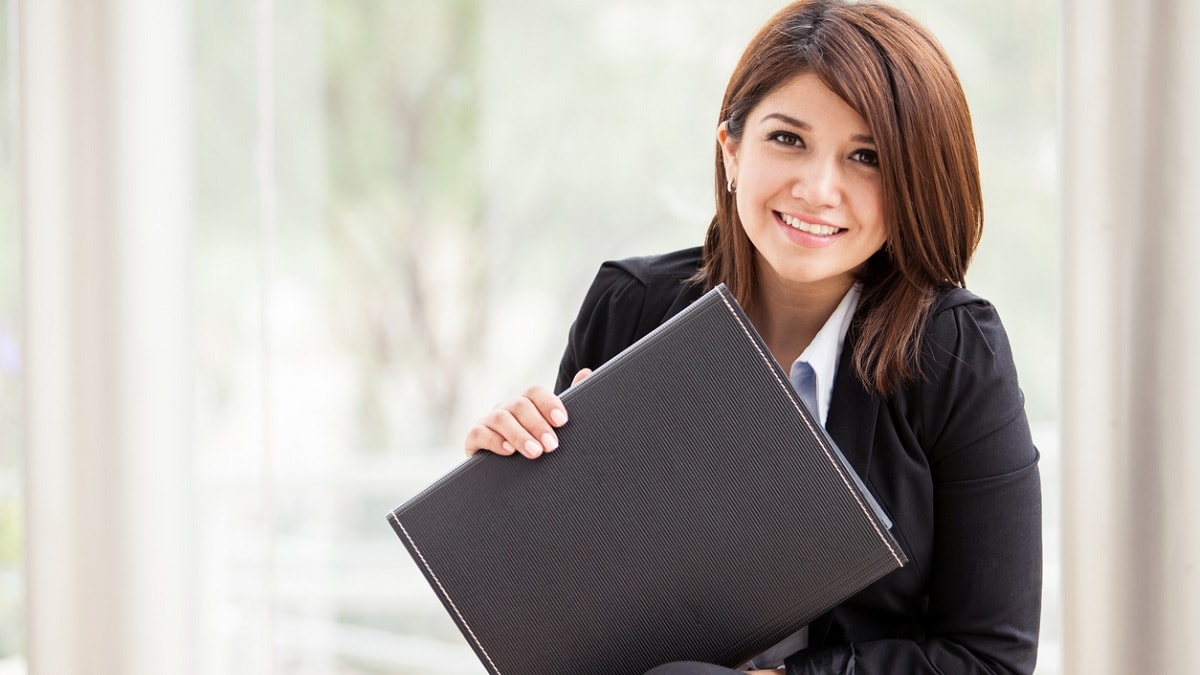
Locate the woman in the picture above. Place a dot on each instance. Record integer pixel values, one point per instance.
(848, 208)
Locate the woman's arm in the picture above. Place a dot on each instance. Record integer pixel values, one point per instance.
(984, 600)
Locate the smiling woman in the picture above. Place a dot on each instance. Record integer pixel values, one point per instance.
(926, 190)
(851, 263)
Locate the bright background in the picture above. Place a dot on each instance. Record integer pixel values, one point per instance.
(397, 206)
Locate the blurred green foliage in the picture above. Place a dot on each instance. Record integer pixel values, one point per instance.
(405, 202)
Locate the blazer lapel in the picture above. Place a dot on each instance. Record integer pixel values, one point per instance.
(852, 414)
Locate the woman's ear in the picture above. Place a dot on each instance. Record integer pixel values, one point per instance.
(729, 147)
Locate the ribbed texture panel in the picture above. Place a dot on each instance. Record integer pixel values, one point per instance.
(693, 510)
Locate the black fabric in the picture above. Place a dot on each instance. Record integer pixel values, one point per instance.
(950, 459)
(648, 532)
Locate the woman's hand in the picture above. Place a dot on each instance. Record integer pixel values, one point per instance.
(525, 424)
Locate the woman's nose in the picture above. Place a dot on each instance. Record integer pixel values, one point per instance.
(819, 183)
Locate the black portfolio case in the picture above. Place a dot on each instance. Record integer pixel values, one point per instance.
(695, 510)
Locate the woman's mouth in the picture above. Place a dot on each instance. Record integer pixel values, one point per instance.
(816, 229)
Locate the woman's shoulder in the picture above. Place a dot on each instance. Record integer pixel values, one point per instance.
(964, 334)
(648, 289)
(960, 319)
(627, 299)
(955, 298)
(663, 268)
(969, 389)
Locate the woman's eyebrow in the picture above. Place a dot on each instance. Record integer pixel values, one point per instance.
(788, 120)
(792, 121)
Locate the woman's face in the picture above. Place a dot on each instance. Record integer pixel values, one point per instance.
(808, 187)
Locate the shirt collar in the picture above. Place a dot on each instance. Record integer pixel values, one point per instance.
(823, 352)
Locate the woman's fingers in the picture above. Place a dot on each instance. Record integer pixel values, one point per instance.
(525, 425)
(479, 437)
(581, 376)
(548, 406)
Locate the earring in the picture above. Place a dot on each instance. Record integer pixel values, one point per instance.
(731, 186)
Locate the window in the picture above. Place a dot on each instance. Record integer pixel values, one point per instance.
(442, 180)
(398, 206)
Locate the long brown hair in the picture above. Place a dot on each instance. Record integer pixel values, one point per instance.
(894, 74)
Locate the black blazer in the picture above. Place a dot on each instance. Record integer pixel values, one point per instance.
(949, 457)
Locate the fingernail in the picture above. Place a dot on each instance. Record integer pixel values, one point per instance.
(532, 448)
(549, 441)
(558, 416)
(508, 447)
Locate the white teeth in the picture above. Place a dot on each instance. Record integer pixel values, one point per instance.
(811, 228)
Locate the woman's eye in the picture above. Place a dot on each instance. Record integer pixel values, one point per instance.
(868, 157)
(787, 138)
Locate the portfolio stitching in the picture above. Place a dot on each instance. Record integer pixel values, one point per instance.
(442, 589)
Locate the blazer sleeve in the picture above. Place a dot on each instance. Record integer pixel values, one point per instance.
(608, 321)
(985, 582)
